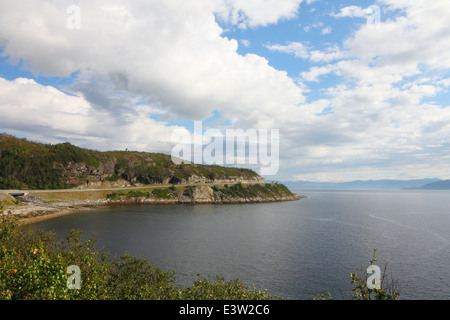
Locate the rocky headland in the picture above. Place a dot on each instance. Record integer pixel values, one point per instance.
(32, 206)
(72, 178)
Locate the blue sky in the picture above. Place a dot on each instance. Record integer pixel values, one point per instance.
(354, 95)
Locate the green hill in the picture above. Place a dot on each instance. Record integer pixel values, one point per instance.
(30, 165)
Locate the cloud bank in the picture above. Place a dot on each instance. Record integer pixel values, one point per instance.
(139, 69)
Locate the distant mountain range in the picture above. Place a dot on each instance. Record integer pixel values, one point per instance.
(438, 185)
(386, 184)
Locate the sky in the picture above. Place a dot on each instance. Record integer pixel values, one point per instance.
(357, 90)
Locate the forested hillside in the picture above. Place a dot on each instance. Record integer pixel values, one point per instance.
(30, 165)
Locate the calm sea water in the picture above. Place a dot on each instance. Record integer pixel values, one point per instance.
(294, 249)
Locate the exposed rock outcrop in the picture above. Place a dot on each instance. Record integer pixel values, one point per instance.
(203, 194)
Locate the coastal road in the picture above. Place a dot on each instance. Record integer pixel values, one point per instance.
(83, 190)
(116, 189)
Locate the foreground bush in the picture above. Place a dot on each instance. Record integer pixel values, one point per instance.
(33, 265)
(360, 290)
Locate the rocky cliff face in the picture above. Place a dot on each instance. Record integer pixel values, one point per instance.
(205, 194)
(84, 176)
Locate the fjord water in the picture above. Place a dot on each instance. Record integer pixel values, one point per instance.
(296, 250)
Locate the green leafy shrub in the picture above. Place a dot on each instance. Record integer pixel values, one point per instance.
(361, 291)
(137, 194)
(132, 278)
(268, 190)
(34, 265)
(189, 192)
(220, 289)
(165, 193)
(112, 196)
(114, 177)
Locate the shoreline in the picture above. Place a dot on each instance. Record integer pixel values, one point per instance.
(36, 212)
(31, 207)
(61, 213)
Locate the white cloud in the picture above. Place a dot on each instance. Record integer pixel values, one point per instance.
(245, 42)
(171, 51)
(298, 49)
(326, 30)
(351, 12)
(327, 55)
(254, 13)
(315, 72)
(47, 114)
